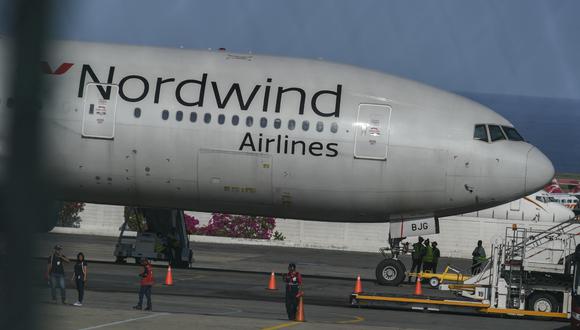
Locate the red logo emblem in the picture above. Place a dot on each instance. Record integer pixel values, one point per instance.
(63, 68)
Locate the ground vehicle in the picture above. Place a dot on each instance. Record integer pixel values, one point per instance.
(450, 274)
(530, 270)
(162, 238)
(530, 273)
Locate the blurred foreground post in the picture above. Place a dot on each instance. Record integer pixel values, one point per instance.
(23, 191)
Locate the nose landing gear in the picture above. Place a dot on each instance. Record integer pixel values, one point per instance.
(391, 271)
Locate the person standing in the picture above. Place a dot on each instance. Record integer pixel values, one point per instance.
(55, 271)
(428, 257)
(436, 255)
(478, 257)
(80, 277)
(146, 283)
(293, 281)
(417, 257)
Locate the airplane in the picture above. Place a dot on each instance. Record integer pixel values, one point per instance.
(264, 135)
(540, 206)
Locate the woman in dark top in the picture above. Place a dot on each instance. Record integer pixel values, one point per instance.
(80, 277)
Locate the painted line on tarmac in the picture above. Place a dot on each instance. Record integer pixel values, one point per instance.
(124, 321)
(355, 320)
(283, 325)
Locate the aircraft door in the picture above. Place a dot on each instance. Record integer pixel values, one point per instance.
(99, 110)
(372, 131)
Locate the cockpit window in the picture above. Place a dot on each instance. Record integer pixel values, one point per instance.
(480, 133)
(495, 133)
(512, 134)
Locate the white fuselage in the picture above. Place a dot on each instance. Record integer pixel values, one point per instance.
(251, 134)
(537, 207)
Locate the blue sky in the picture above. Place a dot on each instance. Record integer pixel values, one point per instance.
(527, 49)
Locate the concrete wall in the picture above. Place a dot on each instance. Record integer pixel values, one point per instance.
(458, 235)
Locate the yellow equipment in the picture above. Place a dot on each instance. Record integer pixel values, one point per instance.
(450, 274)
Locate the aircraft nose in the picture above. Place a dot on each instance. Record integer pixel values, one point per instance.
(539, 171)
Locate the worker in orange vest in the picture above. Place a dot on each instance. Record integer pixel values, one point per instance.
(146, 284)
(293, 281)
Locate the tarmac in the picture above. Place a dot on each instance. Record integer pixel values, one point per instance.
(226, 289)
(249, 258)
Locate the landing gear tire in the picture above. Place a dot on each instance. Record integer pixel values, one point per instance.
(543, 302)
(434, 282)
(390, 272)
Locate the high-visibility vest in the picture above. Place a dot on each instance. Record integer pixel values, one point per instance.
(428, 254)
(418, 251)
(147, 275)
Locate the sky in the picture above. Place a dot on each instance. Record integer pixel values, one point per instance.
(520, 57)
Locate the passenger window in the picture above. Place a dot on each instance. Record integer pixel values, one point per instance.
(221, 119)
(319, 126)
(249, 121)
(334, 127)
(207, 118)
(277, 123)
(291, 124)
(495, 133)
(179, 115)
(263, 122)
(193, 117)
(235, 120)
(137, 112)
(305, 125)
(165, 115)
(512, 134)
(480, 133)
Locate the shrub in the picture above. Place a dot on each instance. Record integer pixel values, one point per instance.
(240, 226)
(68, 215)
(190, 224)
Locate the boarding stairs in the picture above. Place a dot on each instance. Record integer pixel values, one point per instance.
(523, 251)
(514, 248)
(541, 250)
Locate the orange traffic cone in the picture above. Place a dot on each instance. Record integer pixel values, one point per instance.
(300, 312)
(418, 288)
(272, 282)
(169, 276)
(358, 285)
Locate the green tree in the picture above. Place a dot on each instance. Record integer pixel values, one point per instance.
(134, 219)
(68, 216)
